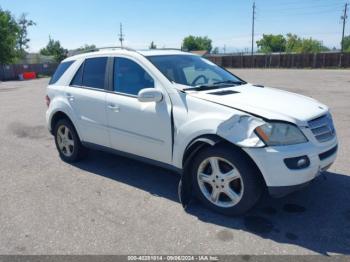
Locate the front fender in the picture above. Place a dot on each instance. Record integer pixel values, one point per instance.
(237, 129)
(190, 130)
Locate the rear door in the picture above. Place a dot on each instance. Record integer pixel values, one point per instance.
(87, 96)
(140, 128)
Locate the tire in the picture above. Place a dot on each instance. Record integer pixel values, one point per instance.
(67, 142)
(233, 186)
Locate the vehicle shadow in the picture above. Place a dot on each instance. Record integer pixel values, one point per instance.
(316, 218)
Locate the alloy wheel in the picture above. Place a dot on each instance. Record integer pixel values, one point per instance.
(220, 182)
(65, 140)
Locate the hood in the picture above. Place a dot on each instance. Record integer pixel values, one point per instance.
(269, 103)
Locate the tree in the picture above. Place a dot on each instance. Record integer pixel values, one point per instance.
(347, 43)
(303, 45)
(9, 30)
(271, 43)
(54, 49)
(23, 40)
(152, 45)
(215, 50)
(191, 43)
(309, 45)
(86, 48)
(290, 43)
(293, 43)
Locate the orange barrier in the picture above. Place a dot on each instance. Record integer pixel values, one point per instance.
(29, 75)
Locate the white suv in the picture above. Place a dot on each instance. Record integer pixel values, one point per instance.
(228, 139)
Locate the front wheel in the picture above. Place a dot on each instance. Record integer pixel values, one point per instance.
(225, 180)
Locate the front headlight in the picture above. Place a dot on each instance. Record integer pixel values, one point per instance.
(280, 133)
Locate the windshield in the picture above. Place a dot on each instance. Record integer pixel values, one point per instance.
(193, 71)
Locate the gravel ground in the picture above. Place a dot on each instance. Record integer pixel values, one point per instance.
(113, 205)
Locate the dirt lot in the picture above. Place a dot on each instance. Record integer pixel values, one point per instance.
(112, 205)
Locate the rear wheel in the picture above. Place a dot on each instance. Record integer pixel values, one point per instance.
(225, 180)
(67, 141)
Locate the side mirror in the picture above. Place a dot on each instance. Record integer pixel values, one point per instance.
(150, 95)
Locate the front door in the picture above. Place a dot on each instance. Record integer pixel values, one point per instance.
(140, 128)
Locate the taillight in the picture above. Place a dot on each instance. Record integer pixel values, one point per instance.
(47, 99)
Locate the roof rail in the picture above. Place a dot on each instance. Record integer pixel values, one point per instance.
(169, 48)
(114, 47)
(102, 48)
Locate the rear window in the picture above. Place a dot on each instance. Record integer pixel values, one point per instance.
(60, 71)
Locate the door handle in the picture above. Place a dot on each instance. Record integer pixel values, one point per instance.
(114, 108)
(69, 96)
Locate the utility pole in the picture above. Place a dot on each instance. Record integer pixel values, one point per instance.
(224, 49)
(344, 17)
(121, 35)
(253, 27)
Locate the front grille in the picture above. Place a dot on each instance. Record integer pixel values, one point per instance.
(322, 128)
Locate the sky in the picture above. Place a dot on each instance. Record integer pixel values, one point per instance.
(166, 22)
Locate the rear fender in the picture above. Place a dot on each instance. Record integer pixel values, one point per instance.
(61, 105)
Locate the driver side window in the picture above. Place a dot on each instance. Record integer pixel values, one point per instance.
(130, 77)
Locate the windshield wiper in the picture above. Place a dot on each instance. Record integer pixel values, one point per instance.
(216, 85)
(229, 82)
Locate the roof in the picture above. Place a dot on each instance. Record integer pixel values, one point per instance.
(155, 52)
(119, 51)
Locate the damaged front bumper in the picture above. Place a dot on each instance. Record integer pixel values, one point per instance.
(282, 179)
(281, 191)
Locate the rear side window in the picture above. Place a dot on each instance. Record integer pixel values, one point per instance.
(94, 72)
(60, 71)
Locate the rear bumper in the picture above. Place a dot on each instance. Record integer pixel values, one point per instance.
(48, 121)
